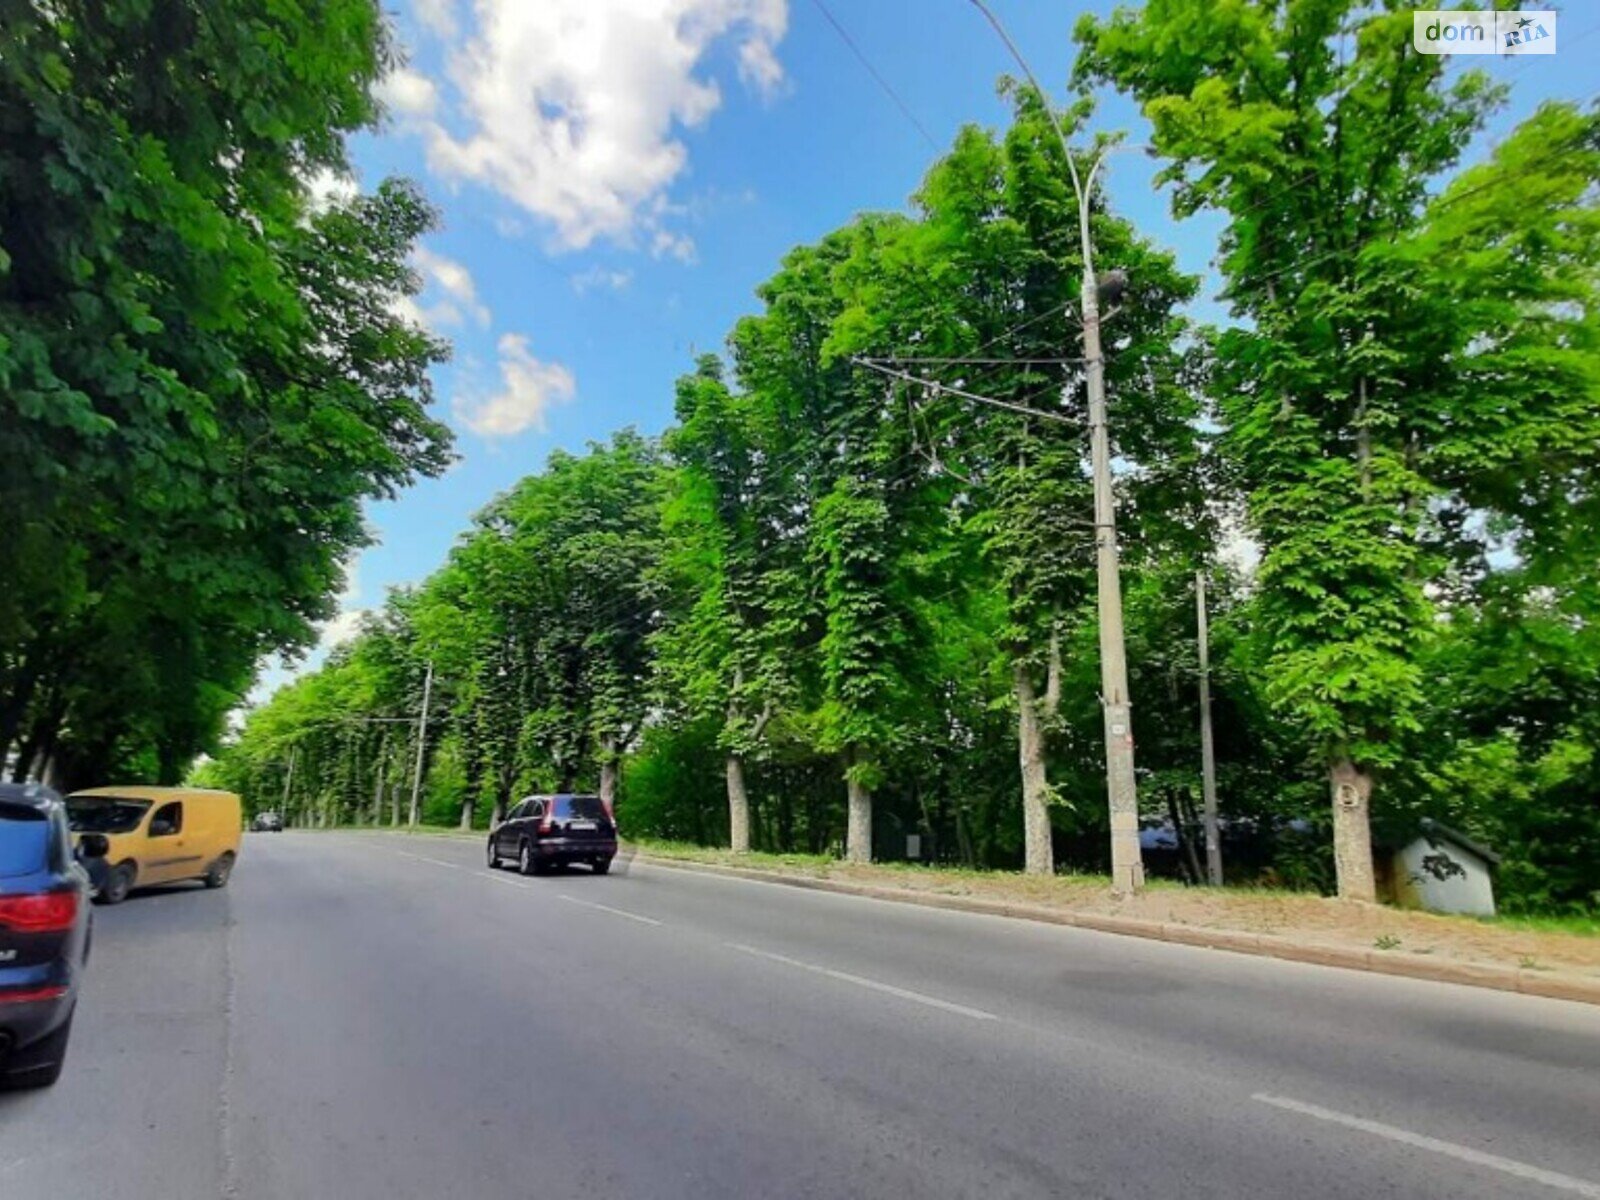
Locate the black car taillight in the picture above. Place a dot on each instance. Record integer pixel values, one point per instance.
(40, 912)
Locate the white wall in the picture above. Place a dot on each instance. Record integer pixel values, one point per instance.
(1472, 894)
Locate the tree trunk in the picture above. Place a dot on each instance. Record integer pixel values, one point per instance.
(608, 774)
(499, 813)
(1038, 852)
(858, 826)
(738, 806)
(394, 805)
(377, 790)
(467, 808)
(1352, 831)
(14, 709)
(1190, 860)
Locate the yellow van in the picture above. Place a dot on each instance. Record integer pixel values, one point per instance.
(159, 835)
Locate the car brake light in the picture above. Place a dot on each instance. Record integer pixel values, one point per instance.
(44, 993)
(545, 823)
(44, 912)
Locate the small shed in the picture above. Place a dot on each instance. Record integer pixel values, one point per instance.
(1441, 870)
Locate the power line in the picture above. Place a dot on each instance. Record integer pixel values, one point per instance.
(957, 361)
(965, 395)
(883, 83)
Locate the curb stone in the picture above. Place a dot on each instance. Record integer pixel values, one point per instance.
(1554, 985)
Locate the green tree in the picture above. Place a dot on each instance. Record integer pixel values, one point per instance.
(200, 377)
(1349, 414)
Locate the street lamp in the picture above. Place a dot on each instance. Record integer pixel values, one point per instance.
(1127, 868)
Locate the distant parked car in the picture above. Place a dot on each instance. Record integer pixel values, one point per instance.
(159, 835)
(267, 822)
(545, 831)
(45, 923)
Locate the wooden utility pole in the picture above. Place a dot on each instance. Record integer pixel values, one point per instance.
(422, 745)
(1208, 757)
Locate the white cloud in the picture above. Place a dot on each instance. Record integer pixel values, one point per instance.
(573, 109)
(408, 93)
(666, 244)
(528, 386)
(448, 297)
(456, 282)
(596, 278)
(326, 189)
(437, 16)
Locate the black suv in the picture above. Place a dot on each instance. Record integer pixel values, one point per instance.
(44, 932)
(546, 831)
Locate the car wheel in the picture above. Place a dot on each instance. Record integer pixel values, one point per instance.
(217, 876)
(526, 863)
(602, 865)
(494, 856)
(40, 1064)
(119, 882)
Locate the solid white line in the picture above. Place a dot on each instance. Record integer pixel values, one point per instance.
(616, 912)
(976, 1014)
(1509, 1166)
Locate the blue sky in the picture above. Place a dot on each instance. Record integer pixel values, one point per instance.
(615, 177)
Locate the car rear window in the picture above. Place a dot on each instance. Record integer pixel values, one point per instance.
(580, 808)
(24, 840)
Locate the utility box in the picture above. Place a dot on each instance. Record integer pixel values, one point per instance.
(914, 847)
(1442, 871)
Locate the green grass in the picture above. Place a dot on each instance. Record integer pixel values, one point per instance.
(1578, 924)
(758, 859)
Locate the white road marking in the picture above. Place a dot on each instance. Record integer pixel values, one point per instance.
(616, 912)
(438, 862)
(516, 883)
(976, 1014)
(1509, 1166)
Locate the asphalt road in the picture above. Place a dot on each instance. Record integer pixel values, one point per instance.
(363, 1016)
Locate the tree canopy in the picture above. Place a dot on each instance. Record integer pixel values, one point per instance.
(202, 375)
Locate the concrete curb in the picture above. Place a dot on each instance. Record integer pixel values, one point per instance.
(1382, 962)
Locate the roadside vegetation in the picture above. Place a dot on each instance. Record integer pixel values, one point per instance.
(848, 598)
(829, 591)
(202, 376)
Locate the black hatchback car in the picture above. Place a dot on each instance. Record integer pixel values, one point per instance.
(44, 933)
(546, 831)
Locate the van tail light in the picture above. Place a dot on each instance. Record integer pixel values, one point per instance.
(41, 912)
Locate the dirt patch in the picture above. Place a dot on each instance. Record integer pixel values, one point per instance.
(1305, 919)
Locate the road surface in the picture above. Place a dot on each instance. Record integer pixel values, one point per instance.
(365, 1015)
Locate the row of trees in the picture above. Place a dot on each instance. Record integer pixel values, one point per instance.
(849, 594)
(201, 372)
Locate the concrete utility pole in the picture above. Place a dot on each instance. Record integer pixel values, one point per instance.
(1208, 757)
(1127, 867)
(422, 745)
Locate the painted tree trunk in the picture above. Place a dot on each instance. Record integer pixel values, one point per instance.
(466, 813)
(608, 782)
(858, 826)
(499, 813)
(377, 791)
(1038, 853)
(1352, 831)
(738, 806)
